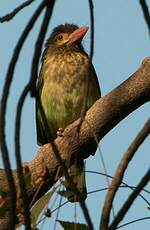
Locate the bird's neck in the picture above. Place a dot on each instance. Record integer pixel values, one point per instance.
(52, 50)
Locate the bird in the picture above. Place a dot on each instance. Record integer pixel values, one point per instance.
(61, 91)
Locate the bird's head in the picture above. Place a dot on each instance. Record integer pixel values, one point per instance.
(67, 35)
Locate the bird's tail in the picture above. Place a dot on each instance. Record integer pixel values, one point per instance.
(77, 174)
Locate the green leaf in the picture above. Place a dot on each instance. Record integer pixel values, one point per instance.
(27, 178)
(18, 226)
(81, 185)
(64, 183)
(70, 225)
(40, 205)
(65, 193)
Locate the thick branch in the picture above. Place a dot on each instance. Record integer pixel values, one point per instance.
(101, 117)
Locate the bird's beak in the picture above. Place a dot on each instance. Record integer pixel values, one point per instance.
(77, 35)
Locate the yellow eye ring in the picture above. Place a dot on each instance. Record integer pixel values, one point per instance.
(60, 37)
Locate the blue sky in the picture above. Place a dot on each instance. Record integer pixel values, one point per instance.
(121, 43)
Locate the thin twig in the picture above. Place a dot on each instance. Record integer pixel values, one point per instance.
(9, 176)
(17, 145)
(117, 179)
(125, 184)
(5, 94)
(73, 187)
(36, 194)
(56, 197)
(145, 13)
(90, 69)
(99, 190)
(58, 212)
(11, 15)
(44, 216)
(75, 216)
(130, 201)
(84, 107)
(54, 210)
(91, 8)
(38, 46)
(102, 161)
(134, 221)
(23, 192)
(104, 189)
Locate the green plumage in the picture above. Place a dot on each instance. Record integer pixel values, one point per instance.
(61, 87)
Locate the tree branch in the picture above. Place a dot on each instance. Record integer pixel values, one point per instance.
(91, 9)
(130, 201)
(145, 13)
(23, 194)
(102, 117)
(10, 16)
(38, 45)
(117, 179)
(3, 108)
(21, 100)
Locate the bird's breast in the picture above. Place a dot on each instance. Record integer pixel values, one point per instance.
(64, 88)
(66, 67)
(64, 81)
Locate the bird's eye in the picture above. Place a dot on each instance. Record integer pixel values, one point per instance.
(60, 37)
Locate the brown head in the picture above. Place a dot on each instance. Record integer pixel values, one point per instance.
(67, 36)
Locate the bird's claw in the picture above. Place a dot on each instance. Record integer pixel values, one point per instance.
(59, 132)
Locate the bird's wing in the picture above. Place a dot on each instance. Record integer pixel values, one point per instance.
(96, 79)
(40, 125)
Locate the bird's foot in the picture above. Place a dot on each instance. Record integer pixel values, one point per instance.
(59, 132)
